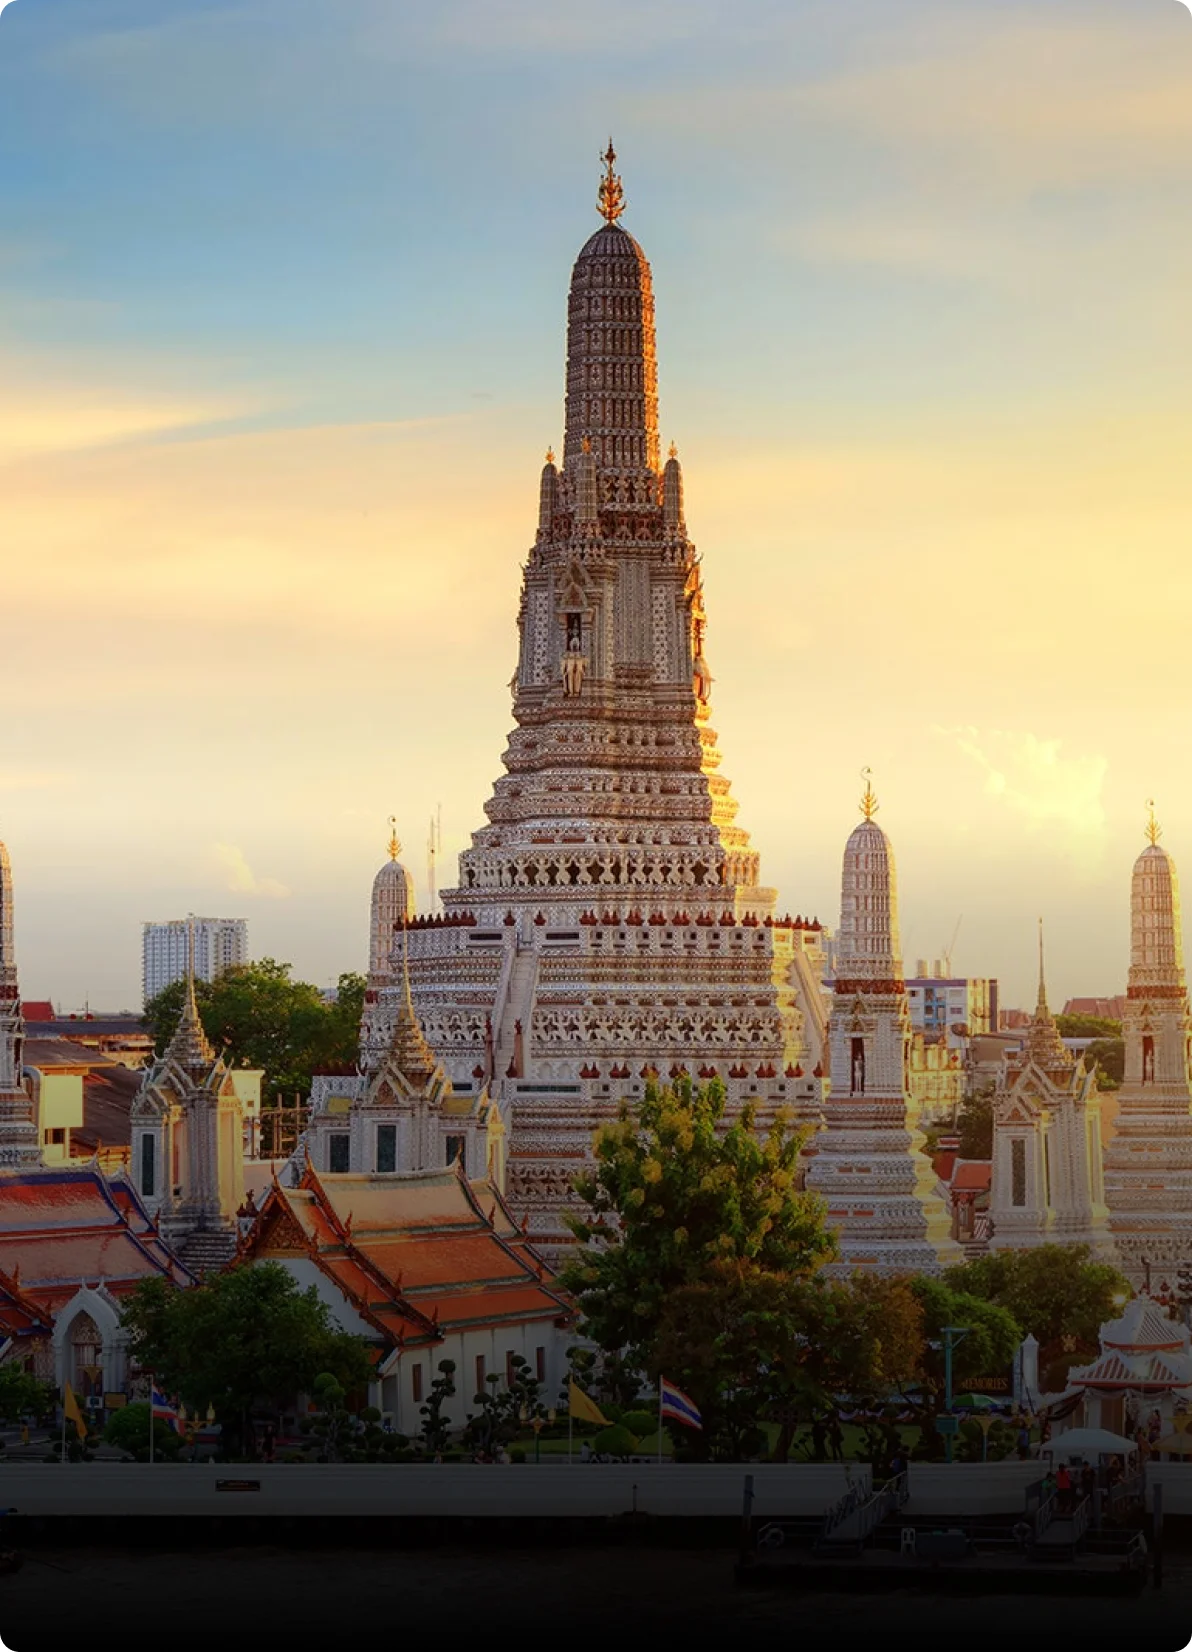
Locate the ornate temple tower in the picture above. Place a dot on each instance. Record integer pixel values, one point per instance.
(1046, 1186)
(187, 1143)
(1148, 1166)
(19, 1143)
(391, 910)
(879, 1188)
(610, 919)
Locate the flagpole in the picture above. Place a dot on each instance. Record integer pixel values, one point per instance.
(64, 1425)
(660, 1421)
(570, 1428)
(152, 1382)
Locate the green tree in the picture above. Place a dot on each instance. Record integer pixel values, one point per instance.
(436, 1427)
(1088, 1026)
(128, 1429)
(992, 1339)
(22, 1393)
(257, 1016)
(245, 1338)
(1110, 1056)
(754, 1347)
(674, 1191)
(1052, 1291)
(975, 1122)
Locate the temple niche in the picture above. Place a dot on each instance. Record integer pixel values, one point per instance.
(609, 919)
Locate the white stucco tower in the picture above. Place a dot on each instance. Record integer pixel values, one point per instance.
(879, 1188)
(19, 1143)
(1148, 1166)
(390, 914)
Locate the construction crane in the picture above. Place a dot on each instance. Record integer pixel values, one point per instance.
(951, 944)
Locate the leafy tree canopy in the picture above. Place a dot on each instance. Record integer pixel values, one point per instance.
(258, 1017)
(1052, 1290)
(975, 1124)
(992, 1338)
(242, 1338)
(1088, 1026)
(673, 1192)
(1110, 1056)
(21, 1393)
(752, 1346)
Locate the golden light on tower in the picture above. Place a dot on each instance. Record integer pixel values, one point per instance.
(1153, 830)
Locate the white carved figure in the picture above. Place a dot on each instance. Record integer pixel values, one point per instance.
(574, 665)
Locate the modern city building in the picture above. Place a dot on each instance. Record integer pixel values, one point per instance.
(219, 944)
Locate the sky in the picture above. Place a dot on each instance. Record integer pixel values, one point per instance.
(282, 326)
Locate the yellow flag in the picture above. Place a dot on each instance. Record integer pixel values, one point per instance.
(579, 1405)
(71, 1407)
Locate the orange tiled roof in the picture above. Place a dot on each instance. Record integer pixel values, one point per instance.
(60, 1227)
(416, 1255)
(20, 1316)
(973, 1175)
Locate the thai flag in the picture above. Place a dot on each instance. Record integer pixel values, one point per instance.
(675, 1405)
(164, 1410)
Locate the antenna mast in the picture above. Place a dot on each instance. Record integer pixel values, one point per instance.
(434, 846)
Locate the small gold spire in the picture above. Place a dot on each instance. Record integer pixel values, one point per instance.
(550, 455)
(869, 801)
(587, 446)
(394, 844)
(674, 452)
(610, 197)
(1153, 829)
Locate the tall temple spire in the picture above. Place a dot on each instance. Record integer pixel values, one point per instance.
(408, 1051)
(1044, 1045)
(19, 1143)
(612, 372)
(190, 1047)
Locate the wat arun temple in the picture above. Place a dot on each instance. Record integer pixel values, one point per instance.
(610, 924)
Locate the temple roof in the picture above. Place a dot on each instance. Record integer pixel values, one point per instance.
(20, 1316)
(417, 1254)
(62, 1226)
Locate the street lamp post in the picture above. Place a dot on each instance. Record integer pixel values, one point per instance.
(952, 1335)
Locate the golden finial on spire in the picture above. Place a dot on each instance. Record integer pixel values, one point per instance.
(1153, 829)
(869, 801)
(674, 452)
(610, 197)
(550, 455)
(394, 844)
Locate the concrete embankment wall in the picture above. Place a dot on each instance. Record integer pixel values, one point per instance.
(416, 1490)
(558, 1492)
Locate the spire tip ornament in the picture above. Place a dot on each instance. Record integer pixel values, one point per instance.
(869, 801)
(550, 456)
(610, 197)
(1153, 829)
(394, 843)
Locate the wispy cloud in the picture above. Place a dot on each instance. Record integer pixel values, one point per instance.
(1035, 779)
(240, 879)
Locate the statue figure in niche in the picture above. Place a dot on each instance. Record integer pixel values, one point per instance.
(858, 1068)
(1148, 1060)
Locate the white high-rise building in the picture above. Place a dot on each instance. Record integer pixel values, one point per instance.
(220, 943)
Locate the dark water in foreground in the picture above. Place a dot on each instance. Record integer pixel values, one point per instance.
(523, 1598)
